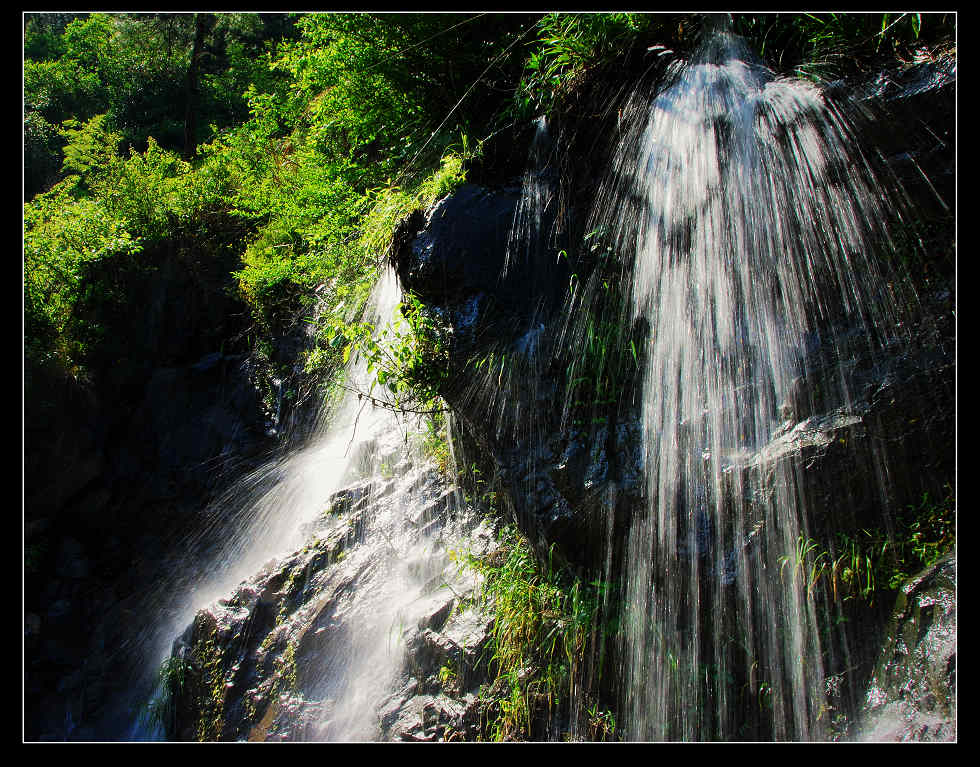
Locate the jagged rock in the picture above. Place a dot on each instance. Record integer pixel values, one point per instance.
(297, 651)
(445, 671)
(460, 251)
(912, 695)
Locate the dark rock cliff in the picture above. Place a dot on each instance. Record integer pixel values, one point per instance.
(572, 476)
(118, 470)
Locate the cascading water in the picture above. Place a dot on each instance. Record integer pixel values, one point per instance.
(753, 219)
(528, 241)
(267, 516)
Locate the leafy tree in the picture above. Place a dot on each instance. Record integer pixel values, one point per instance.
(43, 35)
(166, 75)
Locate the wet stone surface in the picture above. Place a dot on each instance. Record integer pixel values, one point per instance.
(912, 696)
(369, 632)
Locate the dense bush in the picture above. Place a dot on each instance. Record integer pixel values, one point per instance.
(318, 132)
(318, 147)
(149, 73)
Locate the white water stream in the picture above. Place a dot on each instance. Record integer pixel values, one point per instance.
(266, 516)
(754, 219)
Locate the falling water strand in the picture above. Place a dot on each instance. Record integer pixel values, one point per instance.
(265, 516)
(268, 508)
(752, 218)
(528, 241)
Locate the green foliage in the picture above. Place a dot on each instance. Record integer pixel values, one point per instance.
(63, 234)
(330, 208)
(91, 147)
(602, 723)
(567, 45)
(544, 623)
(379, 88)
(850, 571)
(329, 117)
(448, 676)
(238, 53)
(134, 69)
(95, 73)
(433, 441)
(931, 532)
(407, 355)
(350, 90)
(826, 45)
(158, 192)
(54, 90)
(866, 563)
(154, 191)
(43, 35)
(109, 209)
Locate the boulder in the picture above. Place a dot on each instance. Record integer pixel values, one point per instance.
(312, 647)
(912, 695)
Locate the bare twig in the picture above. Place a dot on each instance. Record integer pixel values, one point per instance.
(390, 405)
(354, 430)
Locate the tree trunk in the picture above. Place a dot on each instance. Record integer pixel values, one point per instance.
(202, 26)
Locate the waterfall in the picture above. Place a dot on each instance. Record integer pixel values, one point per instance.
(528, 240)
(270, 505)
(753, 219)
(269, 514)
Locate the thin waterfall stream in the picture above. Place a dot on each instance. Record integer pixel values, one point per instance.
(393, 550)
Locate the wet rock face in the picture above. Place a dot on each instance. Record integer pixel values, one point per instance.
(454, 257)
(445, 668)
(863, 433)
(922, 100)
(312, 647)
(852, 411)
(460, 250)
(578, 489)
(912, 696)
(858, 422)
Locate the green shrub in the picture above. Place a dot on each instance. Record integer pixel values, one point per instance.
(545, 622)
(567, 45)
(63, 233)
(829, 45)
(863, 564)
(408, 355)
